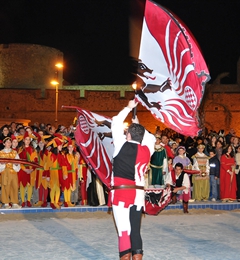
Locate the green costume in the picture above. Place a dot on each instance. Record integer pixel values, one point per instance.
(157, 166)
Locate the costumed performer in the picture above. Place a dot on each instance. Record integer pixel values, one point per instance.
(57, 165)
(132, 152)
(228, 185)
(201, 184)
(181, 185)
(27, 174)
(42, 175)
(9, 176)
(69, 184)
(158, 164)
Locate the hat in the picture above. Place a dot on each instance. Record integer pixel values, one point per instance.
(6, 138)
(55, 142)
(17, 137)
(13, 137)
(180, 147)
(26, 134)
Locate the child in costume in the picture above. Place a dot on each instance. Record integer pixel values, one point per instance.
(27, 174)
(57, 165)
(69, 184)
(9, 175)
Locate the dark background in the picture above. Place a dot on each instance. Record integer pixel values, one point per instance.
(94, 34)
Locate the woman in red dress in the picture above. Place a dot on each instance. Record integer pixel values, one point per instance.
(228, 185)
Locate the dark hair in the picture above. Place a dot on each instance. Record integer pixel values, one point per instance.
(212, 151)
(137, 132)
(226, 150)
(178, 165)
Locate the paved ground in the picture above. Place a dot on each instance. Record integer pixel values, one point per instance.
(93, 236)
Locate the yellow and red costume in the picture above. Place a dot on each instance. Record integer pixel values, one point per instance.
(69, 184)
(9, 177)
(83, 177)
(27, 174)
(42, 176)
(57, 165)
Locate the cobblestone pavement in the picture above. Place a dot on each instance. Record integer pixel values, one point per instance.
(90, 236)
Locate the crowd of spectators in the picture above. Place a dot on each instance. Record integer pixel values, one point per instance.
(221, 183)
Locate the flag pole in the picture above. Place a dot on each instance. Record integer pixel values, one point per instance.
(134, 112)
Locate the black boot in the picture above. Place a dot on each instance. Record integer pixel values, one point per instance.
(137, 254)
(185, 207)
(126, 256)
(174, 198)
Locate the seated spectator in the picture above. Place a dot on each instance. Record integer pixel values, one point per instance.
(181, 185)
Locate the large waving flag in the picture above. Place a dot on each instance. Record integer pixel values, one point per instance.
(94, 139)
(172, 72)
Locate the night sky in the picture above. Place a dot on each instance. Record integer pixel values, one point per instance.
(94, 34)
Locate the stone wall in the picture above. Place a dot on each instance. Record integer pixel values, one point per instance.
(25, 92)
(222, 110)
(28, 65)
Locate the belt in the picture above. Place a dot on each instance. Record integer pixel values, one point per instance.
(127, 187)
(155, 166)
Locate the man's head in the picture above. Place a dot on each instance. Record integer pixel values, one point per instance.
(178, 168)
(164, 139)
(136, 132)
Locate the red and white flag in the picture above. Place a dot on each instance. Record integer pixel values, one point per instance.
(172, 72)
(93, 136)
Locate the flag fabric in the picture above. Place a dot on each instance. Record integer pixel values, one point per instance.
(171, 72)
(93, 137)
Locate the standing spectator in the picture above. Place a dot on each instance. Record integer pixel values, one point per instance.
(219, 149)
(70, 182)
(130, 159)
(9, 182)
(42, 175)
(158, 164)
(27, 174)
(14, 142)
(237, 159)
(181, 157)
(214, 165)
(4, 133)
(235, 144)
(201, 186)
(229, 136)
(57, 164)
(228, 186)
(164, 143)
(13, 128)
(212, 144)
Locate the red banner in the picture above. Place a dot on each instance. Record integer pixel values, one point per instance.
(93, 136)
(172, 72)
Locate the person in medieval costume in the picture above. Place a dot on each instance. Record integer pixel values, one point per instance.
(201, 184)
(83, 171)
(180, 183)
(69, 184)
(9, 176)
(42, 174)
(57, 165)
(130, 161)
(158, 164)
(27, 174)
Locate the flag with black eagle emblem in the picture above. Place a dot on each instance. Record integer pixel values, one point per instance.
(171, 72)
